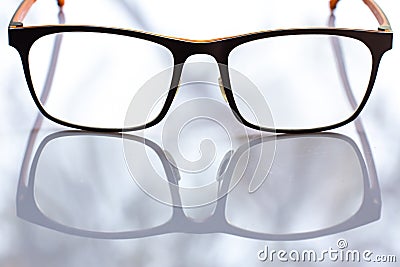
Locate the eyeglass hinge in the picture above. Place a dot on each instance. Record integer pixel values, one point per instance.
(16, 24)
(384, 28)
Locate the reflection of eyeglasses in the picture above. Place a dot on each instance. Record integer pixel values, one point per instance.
(293, 71)
(103, 206)
(318, 185)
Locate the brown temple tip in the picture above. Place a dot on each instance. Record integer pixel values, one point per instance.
(60, 3)
(333, 4)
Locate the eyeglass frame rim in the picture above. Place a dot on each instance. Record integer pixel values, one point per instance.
(23, 37)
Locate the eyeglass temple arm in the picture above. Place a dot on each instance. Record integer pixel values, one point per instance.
(24, 8)
(383, 21)
(384, 24)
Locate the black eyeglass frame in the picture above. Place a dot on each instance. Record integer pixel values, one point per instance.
(378, 42)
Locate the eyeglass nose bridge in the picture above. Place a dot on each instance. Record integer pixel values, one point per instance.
(204, 58)
(218, 50)
(219, 53)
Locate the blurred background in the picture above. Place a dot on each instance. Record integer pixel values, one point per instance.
(100, 159)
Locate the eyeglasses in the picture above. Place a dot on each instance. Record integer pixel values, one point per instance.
(95, 72)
